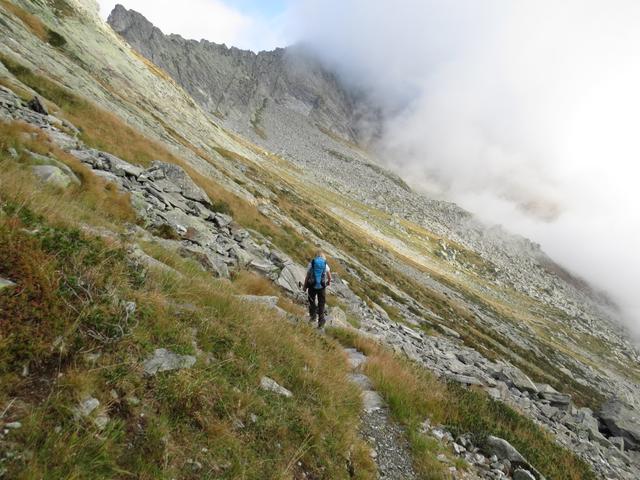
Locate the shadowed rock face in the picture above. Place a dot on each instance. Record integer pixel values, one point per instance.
(248, 89)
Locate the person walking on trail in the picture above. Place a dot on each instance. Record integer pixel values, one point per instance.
(317, 280)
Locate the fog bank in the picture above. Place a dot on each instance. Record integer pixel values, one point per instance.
(525, 113)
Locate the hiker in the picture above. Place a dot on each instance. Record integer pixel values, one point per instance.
(317, 280)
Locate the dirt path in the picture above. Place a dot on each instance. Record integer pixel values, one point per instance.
(390, 449)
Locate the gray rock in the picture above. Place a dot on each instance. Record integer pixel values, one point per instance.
(521, 474)
(503, 450)
(518, 379)
(164, 360)
(557, 399)
(355, 357)
(186, 186)
(4, 284)
(53, 175)
(209, 261)
(268, 300)
(86, 407)
(270, 385)
(622, 420)
(13, 425)
(222, 220)
(289, 277)
(371, 401)
(37, 106)
(262, 266)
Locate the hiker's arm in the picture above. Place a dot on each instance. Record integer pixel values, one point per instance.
(328, 277)
(306, 280)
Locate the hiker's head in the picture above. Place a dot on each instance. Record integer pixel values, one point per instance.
(320, 253)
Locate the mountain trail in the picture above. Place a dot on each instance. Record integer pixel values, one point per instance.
(390, 449)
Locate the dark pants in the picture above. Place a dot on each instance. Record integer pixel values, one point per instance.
(312, 294)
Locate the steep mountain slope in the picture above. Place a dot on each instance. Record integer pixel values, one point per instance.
(474, 305)
(487, 263)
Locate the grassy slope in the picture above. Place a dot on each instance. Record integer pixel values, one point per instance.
(70, 302)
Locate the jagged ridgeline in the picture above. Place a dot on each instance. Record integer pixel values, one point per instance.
(159, 201)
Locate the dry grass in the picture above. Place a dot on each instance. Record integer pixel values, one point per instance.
(98, 200)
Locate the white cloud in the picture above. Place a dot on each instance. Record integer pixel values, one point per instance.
(204, 19)
(510, 108)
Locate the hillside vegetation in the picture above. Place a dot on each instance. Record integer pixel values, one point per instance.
(92, 292)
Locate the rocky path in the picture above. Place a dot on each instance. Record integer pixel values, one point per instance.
(390, 449)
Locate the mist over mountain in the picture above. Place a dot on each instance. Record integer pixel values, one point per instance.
(524, 114)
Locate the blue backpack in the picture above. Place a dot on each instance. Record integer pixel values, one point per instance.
(318, 267)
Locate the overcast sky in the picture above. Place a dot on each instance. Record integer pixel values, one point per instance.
(526, 113)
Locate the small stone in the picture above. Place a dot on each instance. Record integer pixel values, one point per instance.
(87, 406)
(458, 449)
(13, 425)
(4, 283)
(253, 417)
(270, 385)
(164, 360)
(101, 421)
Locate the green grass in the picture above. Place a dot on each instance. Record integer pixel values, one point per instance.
(414, 394)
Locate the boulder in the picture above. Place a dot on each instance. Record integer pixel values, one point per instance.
(560, 400)
(185, 186)
(338, 318)
(209, 261)
(164, 360)
(262, 265)
(503, 450)
(521, 474)
(37, 106)
(54, 176)
(289, 277)
(518, 379)
(270, 385)
(222, 220)
(622, 420)
(190, 227)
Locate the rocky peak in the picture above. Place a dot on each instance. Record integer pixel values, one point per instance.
(253, 91)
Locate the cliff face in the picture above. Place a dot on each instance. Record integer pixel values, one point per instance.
(248, 89)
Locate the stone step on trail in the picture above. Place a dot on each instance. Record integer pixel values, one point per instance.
(390, 449)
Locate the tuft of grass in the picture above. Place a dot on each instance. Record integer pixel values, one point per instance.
(414, 394)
